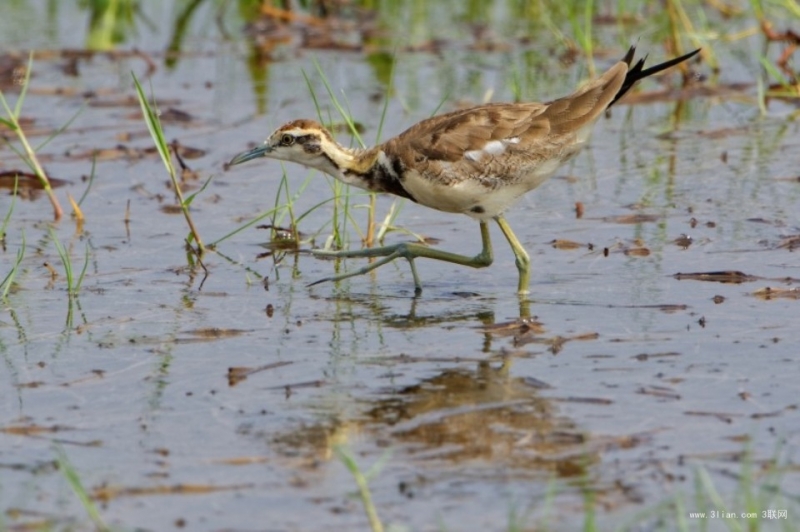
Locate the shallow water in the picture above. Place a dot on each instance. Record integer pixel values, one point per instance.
(615, 376)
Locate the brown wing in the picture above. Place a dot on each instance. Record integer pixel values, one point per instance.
(448, 137)
(584, 106)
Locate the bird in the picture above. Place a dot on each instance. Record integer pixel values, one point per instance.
(477, 161)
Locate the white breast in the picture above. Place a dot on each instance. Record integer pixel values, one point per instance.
(483, 195)
(469, 196)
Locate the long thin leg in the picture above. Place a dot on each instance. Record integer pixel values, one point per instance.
(522, 259)
(411, 251)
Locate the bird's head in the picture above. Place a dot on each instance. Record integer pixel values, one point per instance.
(301, 141)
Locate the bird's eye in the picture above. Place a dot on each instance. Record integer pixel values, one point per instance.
(287, 140)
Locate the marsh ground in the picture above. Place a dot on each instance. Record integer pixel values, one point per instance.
(610, 394)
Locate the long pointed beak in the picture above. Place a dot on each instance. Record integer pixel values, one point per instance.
(255, 153)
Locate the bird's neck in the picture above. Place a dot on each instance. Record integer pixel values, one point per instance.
(359, 167)
(377, 169)
(350, 161)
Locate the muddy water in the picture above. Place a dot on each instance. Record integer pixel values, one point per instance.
(219, 405)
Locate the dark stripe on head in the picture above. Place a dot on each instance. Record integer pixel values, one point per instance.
(310, 143)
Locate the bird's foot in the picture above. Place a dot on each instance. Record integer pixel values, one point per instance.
(388, 254)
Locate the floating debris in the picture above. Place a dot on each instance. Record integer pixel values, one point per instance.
(727, 276)
(684, 240)
(768, 293)
(566, 244)
(238, 374)
(632, 218)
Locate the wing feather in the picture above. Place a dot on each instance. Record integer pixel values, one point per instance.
(449, 137)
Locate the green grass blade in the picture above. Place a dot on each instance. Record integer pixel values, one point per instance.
(363, 488)
(190, 197)
(157, 133)
(243, 227)
(313, 94)
(7, 217)
(90, 181)
(60, 130)
(77, 487)
(65, 259)
(24, 91)
(342, 111)
(312, 209)
(83, 270)
(10, 123)
(9, 279)
(154, 126)
(717, 502)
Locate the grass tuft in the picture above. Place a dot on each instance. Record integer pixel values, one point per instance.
(28, 154)
(157, 133)
(73, 283)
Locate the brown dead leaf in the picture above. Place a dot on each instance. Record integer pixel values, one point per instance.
(632, 218)
(637, 252)
(646, 356)
(32, 429)
(107, 493)
(669, 308)
(790, 242)
(171, 208)
(26, 180)
(722, 416)
(30, 384)
(684, 240)
(725, 132)
(659, 391)
(242, 460)
(511, 328)
(583, 400)
(555, 343)
(209, 334)
(214, 333)
(565, 244)
(768, 293)
(726, 276)
(238, 374)
(172, 114)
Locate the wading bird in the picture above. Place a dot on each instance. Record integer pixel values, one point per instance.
(475, 161)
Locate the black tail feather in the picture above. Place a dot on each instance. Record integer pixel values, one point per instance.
(637, 72)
